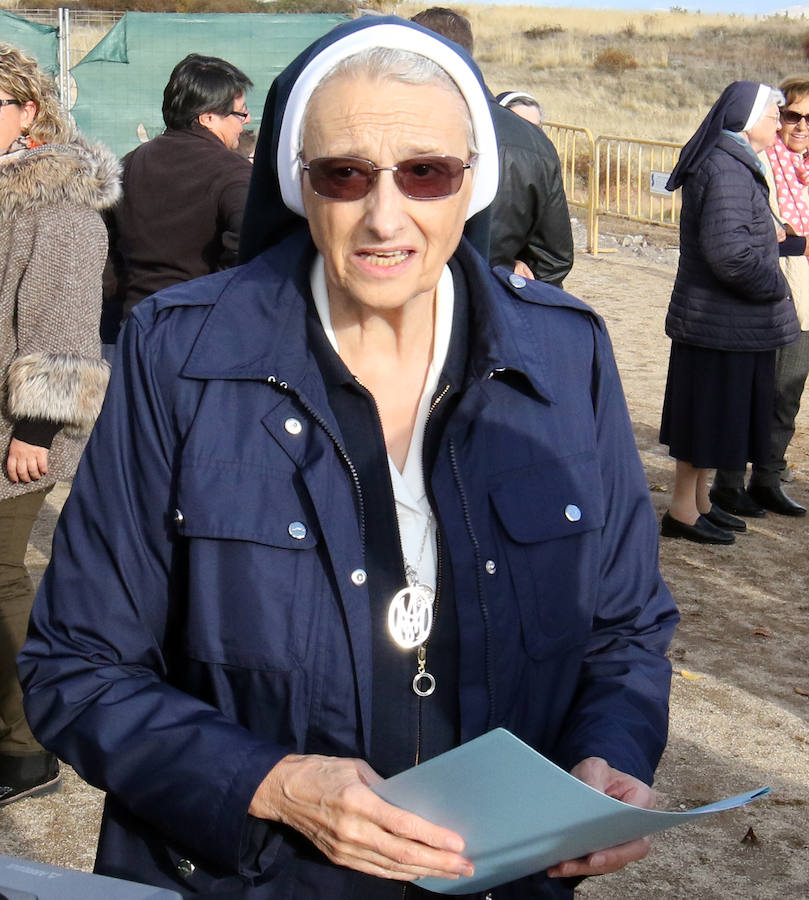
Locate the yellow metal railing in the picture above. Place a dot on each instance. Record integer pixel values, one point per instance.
(576, 149)
(629, 179)
(615, 176)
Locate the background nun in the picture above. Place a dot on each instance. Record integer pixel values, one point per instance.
(730, 309)
(368, 501)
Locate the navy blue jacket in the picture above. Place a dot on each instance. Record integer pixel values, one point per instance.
(187, 636)
(730, 293)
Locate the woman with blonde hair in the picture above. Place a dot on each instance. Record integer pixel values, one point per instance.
(52, 251)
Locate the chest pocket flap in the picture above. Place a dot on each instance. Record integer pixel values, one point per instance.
(217, 500)
(554, 499)
(551, 515)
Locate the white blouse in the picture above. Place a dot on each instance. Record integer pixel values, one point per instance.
(417, 527)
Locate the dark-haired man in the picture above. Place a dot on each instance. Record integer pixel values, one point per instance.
(183, 192)
(528, 222)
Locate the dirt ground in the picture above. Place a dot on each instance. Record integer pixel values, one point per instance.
(740, 692)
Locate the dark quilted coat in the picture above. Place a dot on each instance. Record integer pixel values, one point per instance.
(729, 293)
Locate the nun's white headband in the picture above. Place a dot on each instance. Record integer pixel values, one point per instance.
(762, 101)
(518, 97)
(398, 37)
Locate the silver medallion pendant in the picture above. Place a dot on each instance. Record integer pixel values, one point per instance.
(410, 615)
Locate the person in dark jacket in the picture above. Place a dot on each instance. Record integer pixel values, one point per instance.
(347, 506)
(786, 166)
(528, 223)
(730, 309)
(183, 192)
(522, 104)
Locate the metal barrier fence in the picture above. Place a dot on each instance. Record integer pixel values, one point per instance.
(576, 149)
(629, 178)
(615, 176)
(79, 30)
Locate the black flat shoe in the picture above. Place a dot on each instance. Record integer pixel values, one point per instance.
(775, 500)
(719, 517)
(31, 775)
(736, 501)
(701, 532)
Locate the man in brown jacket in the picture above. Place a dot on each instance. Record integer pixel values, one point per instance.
(183, 192)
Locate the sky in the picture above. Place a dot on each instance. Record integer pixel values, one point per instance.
(745, 7)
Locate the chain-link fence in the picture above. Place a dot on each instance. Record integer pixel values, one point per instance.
(112, 67)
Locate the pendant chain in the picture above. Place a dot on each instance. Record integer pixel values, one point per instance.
(410, 617)
(411, 572)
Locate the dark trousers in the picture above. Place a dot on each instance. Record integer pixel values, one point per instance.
(17, 517)
(791, 370)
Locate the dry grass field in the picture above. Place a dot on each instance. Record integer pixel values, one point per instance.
(649, 75)
(631, 74)
(678, 62)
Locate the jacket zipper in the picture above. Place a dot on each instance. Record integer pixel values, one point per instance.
(282, 385)
(436, 601)
(484, 609)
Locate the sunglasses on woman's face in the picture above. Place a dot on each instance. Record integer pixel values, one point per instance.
(419, 178)
(790, 117)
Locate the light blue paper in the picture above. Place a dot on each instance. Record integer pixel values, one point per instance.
(519, 813)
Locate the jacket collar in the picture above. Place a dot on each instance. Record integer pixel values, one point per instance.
(76, 174)
(741, 150)
(257, 327)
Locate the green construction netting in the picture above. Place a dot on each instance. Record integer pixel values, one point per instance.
(40, 41)
(120, 81)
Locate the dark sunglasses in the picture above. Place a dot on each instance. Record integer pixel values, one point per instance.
(420, 178)
(10, 103)
(790, 117)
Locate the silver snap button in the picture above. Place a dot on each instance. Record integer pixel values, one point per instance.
(516, 281)
(297, 530)
(293, 426)
(179, 518)
(359, 577)
(185, 868)
(491, 566)
(572, 512)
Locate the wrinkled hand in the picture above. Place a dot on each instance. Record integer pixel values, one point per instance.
(26, 462)
(329, 801)
(521, 268)
(598, 774)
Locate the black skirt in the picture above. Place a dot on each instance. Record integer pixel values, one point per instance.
(718, 408)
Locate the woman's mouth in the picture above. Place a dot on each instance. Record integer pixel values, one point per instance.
(384, 258)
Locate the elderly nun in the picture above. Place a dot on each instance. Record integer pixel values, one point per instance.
(348, 506)
(730, 310)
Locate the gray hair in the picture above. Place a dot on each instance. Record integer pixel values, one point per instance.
(397, 65)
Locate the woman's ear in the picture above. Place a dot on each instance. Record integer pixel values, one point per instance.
(28, 112)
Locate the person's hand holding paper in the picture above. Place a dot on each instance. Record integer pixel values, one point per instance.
(600, 775)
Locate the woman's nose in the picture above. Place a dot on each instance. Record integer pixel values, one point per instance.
(385, 206)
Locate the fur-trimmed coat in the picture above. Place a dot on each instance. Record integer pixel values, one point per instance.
(53, 245)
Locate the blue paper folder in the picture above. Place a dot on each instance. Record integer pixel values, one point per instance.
(519, 813)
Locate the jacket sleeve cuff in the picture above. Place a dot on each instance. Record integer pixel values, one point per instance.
(39, 432)
(57, 387)
(792, 245)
